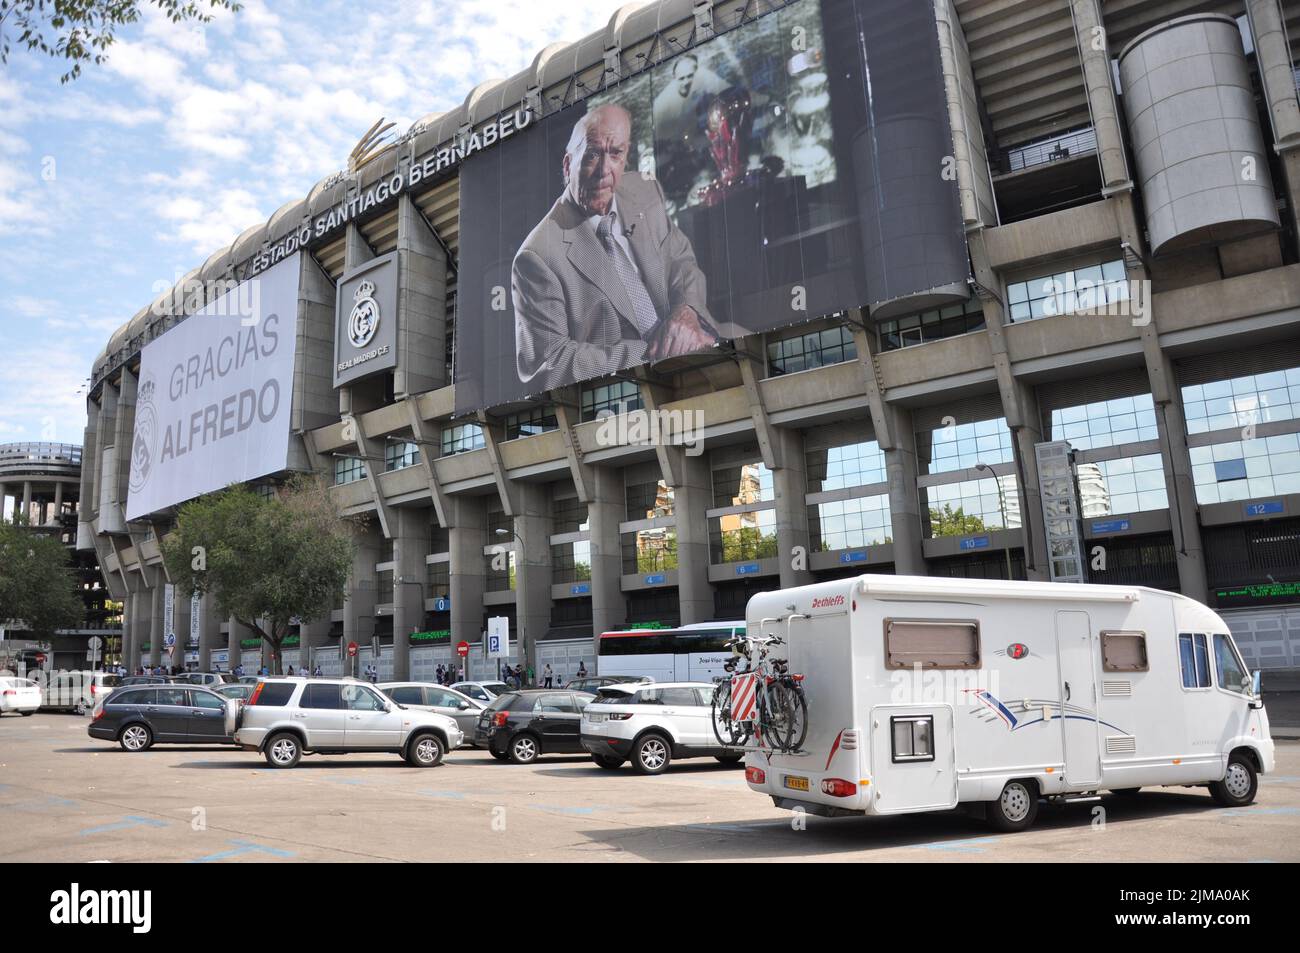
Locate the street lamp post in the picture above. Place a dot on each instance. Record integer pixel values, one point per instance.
(1002, 507)
(423, 599)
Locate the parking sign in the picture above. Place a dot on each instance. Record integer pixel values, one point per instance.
(498, 637)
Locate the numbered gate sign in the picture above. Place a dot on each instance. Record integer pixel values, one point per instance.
(744, 697)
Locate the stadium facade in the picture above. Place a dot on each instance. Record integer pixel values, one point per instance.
(1108, 390)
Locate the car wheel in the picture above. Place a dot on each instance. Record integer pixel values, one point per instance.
(135, 738)
(1016, 809)
(524, 749)
(1238, 786)
(499, 755)
(730, 758)
(425, 751)
(652, 754)
(80, 709)
(27, 714)
(283, 750)
(608, 763)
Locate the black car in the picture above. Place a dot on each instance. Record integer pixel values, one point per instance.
(520, 726)
(139, 716)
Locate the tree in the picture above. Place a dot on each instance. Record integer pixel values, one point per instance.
(265, 561)
(949, 522)
(81, 31)
(37, 586)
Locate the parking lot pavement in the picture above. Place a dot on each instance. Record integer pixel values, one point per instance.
(65, 797)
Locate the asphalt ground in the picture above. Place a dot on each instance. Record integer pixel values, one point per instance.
(65, 797)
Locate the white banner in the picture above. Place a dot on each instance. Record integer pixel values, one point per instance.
(196, 606)
(214, 395)
(169, 613)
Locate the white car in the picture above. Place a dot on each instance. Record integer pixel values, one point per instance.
(438, 698)
(79, 692)
(482, 691)
(286, 717)
(651, 724)
(19, 694)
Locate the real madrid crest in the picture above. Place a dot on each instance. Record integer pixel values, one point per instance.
(364, 319)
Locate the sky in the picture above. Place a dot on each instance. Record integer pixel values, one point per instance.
(116, 184)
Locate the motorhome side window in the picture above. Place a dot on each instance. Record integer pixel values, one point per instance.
(1194, 660)
(1227, 663)
(913, 737)
(1124, 651)
(937, 643)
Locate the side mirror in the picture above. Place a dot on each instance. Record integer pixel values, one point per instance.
(1256, 683)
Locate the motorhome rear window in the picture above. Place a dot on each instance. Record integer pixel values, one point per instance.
(939, 643)
(1124, 651)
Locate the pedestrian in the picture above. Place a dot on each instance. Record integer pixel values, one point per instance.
(317, 673)
(532, 676)
(548, 676)
(582, 669)
(290, 672)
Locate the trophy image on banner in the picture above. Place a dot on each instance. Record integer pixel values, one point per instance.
(730, 122)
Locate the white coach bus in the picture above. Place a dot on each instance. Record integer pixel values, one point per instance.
(926, 693)
(692, 653)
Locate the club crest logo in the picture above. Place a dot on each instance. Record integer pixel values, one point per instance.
(364, 319)
(145, 442)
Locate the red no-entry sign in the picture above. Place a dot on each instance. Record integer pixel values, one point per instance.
(352, 649)
(462, 649)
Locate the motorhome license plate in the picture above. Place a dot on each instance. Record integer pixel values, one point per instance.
(796, 783)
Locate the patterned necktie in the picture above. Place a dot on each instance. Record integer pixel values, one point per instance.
(642, 306)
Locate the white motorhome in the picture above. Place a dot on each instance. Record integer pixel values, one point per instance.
(925, 693)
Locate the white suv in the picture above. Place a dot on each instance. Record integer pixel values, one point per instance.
(651, 724)
(287, 717)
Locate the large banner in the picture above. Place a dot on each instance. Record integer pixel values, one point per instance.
(793, 167)
(214, 395)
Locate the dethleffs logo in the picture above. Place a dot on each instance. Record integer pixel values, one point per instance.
(828, 602)
(364, 319)
(100, 907)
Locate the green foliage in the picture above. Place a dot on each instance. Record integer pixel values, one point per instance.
(950, 522)
(265, 560)
(37, 585)
(81, 31)
(747, 542)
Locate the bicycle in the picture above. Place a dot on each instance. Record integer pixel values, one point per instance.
(780, 706)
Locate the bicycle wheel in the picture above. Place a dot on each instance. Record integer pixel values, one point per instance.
(787, 715)
(729, 733)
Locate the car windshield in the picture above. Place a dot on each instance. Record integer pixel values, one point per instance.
(612, 696)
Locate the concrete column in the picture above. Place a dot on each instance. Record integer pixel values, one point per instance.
(313, 635)
(130, 645)
(1273, 55)
(467, 536)
(154, 596)
(604, 512)
(1024, 439)
(210, 633)
(314, 401)
(181, 626)
(359, 607)
(58, 499)
(355, 252)
(1180, 488)
(4, 492)
(421, 303)
(410, 546)
(790, 482)
(1094, 57)
(691, 499)
(27, 500)
(533, 567)
(904, 497)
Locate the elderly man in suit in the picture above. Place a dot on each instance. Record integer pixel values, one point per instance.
(606, 280)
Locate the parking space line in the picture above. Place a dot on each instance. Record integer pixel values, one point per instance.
(243, 847)
(130, 820)
(969, 846)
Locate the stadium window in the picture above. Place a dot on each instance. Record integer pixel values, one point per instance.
(348, 470)
(812, 349)
(615, 397)
(400, 454)
(530, 422)
(461, 438)
(1067, 292)
(933, 325)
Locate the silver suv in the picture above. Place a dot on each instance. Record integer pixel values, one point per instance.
(285, 718)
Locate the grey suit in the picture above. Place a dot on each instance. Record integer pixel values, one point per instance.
(573, 317)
